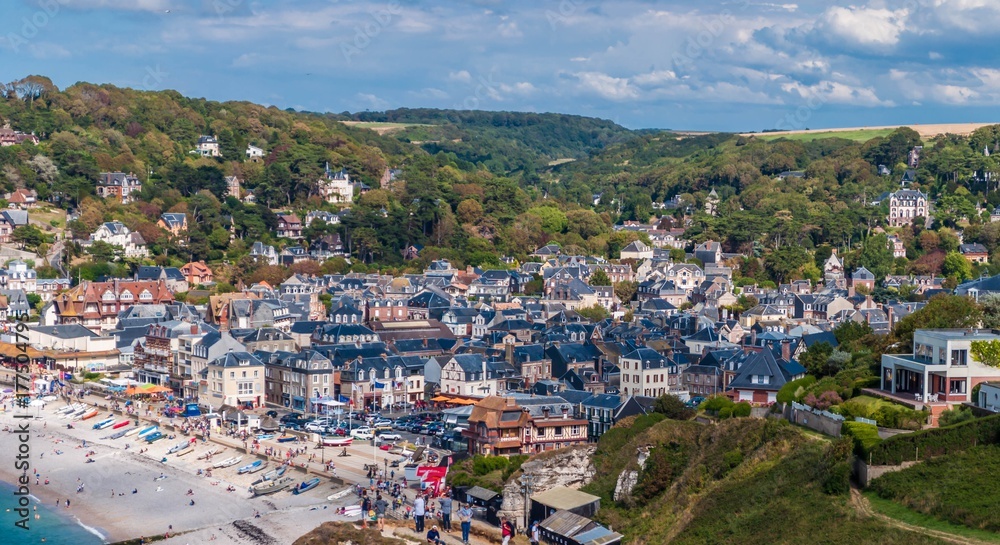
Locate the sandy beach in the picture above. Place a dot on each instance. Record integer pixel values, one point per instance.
(108, 505)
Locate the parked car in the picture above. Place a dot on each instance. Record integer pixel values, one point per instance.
(290, 417)
(272, 413)
(389, 436)
(362, 433)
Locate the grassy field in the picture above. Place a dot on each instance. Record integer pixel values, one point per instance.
(383, 128)
(896, 511)
(957, 488)
(46, 215)
(860, 135)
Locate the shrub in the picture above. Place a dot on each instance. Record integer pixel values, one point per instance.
(673, 407)
(825, 400)
(726, 412)
(935, 442)
(715, 404)
(92, 376)
(792, 391)
(955, 416)
(741, 409)
(514, 465)
(481, 465)
(864, 436)
(897, 416)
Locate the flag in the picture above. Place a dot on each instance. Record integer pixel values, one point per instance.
(378, 385)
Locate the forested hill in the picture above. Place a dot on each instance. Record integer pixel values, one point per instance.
(504, 142)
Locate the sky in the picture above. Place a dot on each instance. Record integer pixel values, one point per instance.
(738, 65)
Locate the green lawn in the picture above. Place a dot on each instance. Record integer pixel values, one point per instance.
(383, 127)
(860, 135)
(957, 488)
(899, 512)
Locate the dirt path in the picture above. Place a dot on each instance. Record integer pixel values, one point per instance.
(861, 504)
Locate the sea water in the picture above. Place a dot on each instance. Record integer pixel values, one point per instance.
(57, 526)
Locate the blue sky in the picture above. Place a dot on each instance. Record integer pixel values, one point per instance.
(727, 65)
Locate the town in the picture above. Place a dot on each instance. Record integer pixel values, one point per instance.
(264, 292)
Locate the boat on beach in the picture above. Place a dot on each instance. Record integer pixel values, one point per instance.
(66, 410)
(272, 475)
(306, 486)
(253, 467)
(121, 424)
(120, 434)
(135, 430)
(332, 441)
(286, 439)
(228, 462)
(208, 453)
(338, 495)
(154, 437)
(74, 413)
(270, 487)
(146, 431)
(89, 414)
(107, 422)
(184, 445)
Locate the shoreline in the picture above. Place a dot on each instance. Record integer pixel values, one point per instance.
(159, 505)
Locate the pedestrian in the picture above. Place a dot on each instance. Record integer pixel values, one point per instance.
(380, 506)
(366, 505)
(444, 504)
(465, 516)
(419, 512)
(506, 530)
(534, 536)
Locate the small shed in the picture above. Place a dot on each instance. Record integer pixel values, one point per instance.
(544, 504)
(566, 528)
(488, 500)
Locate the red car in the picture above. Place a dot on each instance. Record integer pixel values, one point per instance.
(385, 446)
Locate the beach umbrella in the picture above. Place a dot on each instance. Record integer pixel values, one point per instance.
(8, 390)
(36, 403)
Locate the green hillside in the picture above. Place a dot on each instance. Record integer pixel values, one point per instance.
(741, 481)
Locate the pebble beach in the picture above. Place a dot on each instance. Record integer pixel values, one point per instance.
(125, 494)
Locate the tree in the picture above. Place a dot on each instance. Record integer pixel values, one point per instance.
(876, 256)
(672, 406)
(28, 236)
(815, 359)
(600, 278)
(595, 313)
(850, 331)
(986, 352)
(941, 312)
(785, 260)
(956, 266)
(626, 290)
(990, 304)
(955, 416)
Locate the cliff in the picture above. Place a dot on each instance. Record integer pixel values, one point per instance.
(571, 467)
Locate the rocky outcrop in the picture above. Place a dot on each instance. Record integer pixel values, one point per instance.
(570, 467)
(629, 477)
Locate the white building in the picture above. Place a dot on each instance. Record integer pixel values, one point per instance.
(208, 146)
(335, 187)
(254, 152)
(905, 205)
(117, 234)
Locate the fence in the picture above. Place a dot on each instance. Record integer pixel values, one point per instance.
(814, 419)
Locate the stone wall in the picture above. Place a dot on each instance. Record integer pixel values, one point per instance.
(865, 473)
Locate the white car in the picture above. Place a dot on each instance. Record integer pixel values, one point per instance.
(362, 433)
(389, 437)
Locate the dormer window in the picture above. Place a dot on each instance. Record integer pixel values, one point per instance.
(108, 296)
(145, 296)
(126, 296)
(361, 375)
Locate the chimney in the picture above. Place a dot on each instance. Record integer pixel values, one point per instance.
(786, 349)
(565, 412)
(194, 329)
(545, 411)
(753, 337)
(510, 353)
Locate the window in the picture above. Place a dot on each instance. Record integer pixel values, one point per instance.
(232, 374)
(559, 431)
(576, 431)
(255, 373)
(959, 357)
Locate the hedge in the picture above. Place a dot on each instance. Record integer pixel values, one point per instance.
(864, 435)
(742, 409)
(938, 441)
(788, 392)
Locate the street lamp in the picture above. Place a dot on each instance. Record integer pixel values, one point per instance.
(527, 482)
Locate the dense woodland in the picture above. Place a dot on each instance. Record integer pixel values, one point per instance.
(480, 185)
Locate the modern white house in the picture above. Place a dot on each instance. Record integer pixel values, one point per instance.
(941, 369)
(989, 396)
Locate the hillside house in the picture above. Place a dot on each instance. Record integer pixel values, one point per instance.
(119, 186)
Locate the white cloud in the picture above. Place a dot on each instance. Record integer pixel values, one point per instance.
(431, 93)
(606, 86)
(953, 94)
(864, 26)
(580, 59)
(462, 76)
(655, 77)
(520, 88)
(371, 101)
(247, 59)
(48, 50)
(509, 29)
(128, 5)
(836, 92)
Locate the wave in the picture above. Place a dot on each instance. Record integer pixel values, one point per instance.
(91, 529)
